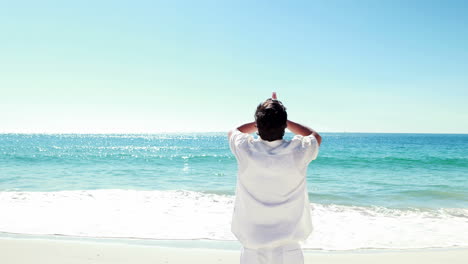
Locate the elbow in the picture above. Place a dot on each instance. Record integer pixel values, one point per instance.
(232, 131)
(319, 138)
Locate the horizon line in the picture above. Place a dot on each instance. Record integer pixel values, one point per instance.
(199, 132)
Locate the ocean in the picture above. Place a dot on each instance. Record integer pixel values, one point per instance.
(367, 191)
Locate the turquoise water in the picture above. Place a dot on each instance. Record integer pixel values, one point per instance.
(382, 191)
(392, 170)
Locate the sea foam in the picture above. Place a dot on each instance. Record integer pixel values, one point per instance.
(195, 215)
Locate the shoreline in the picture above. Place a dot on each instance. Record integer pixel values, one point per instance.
(58, 251)
(203, 244)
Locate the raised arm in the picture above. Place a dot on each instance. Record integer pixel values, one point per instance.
(299, 129)
(245, 128)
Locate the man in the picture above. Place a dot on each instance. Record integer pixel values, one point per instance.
(271, 213)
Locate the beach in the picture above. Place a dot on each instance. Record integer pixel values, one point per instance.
(117, 121)
(168, 198)
(31, 251)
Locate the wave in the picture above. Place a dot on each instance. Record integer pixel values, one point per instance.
(116, 156)
(183, 214)
(440, 194)
(391, 161)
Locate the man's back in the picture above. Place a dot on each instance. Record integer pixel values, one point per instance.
(272, 206)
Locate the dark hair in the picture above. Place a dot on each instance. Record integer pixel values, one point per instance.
(271, 118)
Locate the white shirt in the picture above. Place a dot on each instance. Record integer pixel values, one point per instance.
(272, 205)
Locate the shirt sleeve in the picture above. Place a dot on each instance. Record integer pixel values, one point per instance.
(309, 147)
(237, 141)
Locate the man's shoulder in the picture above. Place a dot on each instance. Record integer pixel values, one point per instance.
(310, 139)
(237, 138)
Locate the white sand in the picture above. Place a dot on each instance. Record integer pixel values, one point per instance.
(16, 251)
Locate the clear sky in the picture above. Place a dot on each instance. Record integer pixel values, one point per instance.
(158, 66)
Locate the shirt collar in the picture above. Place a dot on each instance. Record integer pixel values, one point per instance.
(274, 143)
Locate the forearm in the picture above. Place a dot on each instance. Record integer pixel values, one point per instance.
(248, 128)
(299, 129)
(302, 130)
